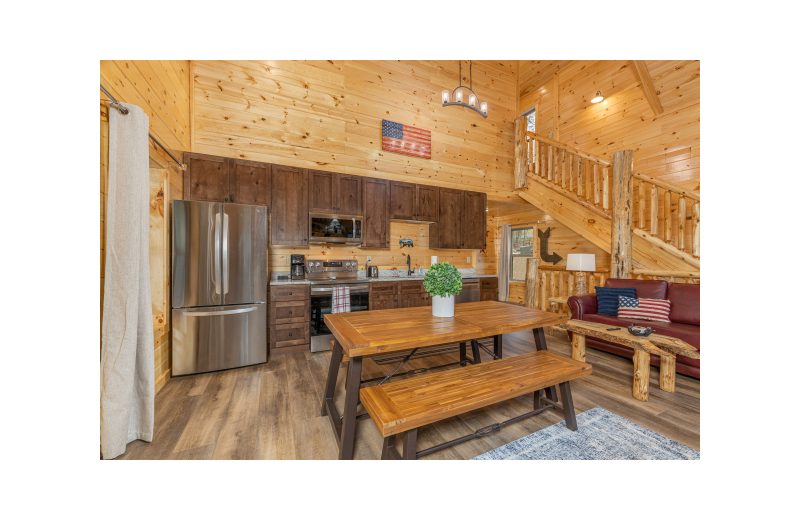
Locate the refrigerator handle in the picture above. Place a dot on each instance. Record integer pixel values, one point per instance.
(225, 253)
(217, 274)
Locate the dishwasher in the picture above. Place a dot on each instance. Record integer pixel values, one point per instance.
(470, 291)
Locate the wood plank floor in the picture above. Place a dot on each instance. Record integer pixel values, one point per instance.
(271, 411)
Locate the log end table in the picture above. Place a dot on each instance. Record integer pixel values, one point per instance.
(666, 347)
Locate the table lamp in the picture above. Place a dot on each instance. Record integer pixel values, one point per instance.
(582, 263)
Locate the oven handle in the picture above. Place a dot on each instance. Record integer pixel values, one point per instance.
(356, 289)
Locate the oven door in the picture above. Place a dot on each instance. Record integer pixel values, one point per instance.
(334, 229)
(321, 296)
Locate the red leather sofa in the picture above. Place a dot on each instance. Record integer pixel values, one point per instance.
(684, 315)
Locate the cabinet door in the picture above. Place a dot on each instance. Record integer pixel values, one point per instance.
(402, 204)
(348, 194)
(451, 218)
(321, 188)
(289, 206)
(405, 301)
(474, 231)
(379, 303)
(205, 178)
(249, 182)
(427, 203)
(376, 213)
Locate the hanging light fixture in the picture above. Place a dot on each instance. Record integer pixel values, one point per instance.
(458, 95)
(597, 97)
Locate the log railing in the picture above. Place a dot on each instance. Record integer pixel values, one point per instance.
(556, 281)
(690, 277)
(581, 176)
(667, 212)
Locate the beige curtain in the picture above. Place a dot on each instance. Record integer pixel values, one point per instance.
(127, 391)
(504, 269)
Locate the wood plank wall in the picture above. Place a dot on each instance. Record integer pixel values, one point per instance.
(665, 146)
(562, 239)
(327, 115)
(161, 89)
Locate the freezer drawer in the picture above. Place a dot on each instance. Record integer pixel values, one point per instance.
(215, 338)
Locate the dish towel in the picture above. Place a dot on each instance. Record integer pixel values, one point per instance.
(127, 373)
(340, 301)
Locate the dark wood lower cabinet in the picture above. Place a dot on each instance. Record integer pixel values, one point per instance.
(379, 303)
(289, 311)
(489, 290)
(405, 301)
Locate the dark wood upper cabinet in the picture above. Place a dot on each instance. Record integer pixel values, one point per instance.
(427, 203)
(334, 193)
(205, 178)
(348, 194)
(402, 205)
(249, 182)
(376, 213)
(320, 191)
(414, 202)
(289, 206)
(474, 220)
(451, 219)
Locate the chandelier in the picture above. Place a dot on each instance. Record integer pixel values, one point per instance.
(458, 95)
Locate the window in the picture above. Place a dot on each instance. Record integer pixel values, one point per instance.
(522, 243)
(531, 114)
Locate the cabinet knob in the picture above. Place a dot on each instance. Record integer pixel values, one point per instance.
(231, 199)
(226, 199)
(290, 294)
(290, 312)
(305, 240)
(290, 334)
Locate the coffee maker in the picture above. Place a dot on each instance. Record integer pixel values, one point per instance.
(298, 267)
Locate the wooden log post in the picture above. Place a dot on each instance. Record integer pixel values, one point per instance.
(696, 230)
(531, 275)
(641, 375)
(667, 216)
(622, 198)
(641, 205)
(520, 160)
(579, 347)
(682, 223)
(667, 374)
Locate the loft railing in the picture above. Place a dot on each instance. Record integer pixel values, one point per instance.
(555, 281)
(676, 222)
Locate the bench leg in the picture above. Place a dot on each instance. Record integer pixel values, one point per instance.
(641, 375)
(541, 344)
(348, 437)
(476, 351)
(498, 346)
(333, 374)
(569, 409)
(410, 445)
(388, 448)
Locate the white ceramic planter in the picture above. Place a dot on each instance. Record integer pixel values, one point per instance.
(443, 307)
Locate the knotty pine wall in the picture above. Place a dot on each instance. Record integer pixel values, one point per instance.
(562, 239)
(327, 115)
(161, 89)
(665, 146)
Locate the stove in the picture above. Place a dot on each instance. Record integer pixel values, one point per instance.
(324, 275)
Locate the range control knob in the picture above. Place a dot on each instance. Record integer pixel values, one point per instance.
(317, 264)
(347, 264)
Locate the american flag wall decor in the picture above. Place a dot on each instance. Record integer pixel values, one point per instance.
(408, 140)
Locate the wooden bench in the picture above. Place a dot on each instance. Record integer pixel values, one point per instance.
(403, 406)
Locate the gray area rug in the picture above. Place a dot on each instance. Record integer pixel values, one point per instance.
(601, 435)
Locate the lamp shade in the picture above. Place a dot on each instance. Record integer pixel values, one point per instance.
(580, 262)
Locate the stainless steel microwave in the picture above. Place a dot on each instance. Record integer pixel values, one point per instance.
(327, 228)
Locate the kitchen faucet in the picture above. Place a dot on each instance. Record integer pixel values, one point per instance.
(410, 271)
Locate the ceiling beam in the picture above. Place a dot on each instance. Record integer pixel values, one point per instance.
(647, 85)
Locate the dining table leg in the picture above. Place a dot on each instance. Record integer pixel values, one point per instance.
(498, 346)
(476, 351)
(541, 344)
(333, 375)
(348, 435)
(462, 353)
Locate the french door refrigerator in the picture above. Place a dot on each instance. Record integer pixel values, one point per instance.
(219, 286)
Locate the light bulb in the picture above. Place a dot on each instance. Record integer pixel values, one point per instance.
(597, 98)
(445, 96)
(459, 96)
(484, 107)
(472, 100)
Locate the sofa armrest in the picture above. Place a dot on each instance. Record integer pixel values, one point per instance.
(584, 304)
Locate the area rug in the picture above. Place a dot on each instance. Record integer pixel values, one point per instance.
(601, 435)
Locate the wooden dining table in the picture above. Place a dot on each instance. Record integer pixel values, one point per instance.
(373, 333)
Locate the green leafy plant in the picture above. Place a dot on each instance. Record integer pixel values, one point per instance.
(443, 280)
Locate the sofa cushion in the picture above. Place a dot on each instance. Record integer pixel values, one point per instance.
(655, 289)
(685, 300)
(644, 309)
(608, 299)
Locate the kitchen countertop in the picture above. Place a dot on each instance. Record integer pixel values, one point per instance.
(384, 276)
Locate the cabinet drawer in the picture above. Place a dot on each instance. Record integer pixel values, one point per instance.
(379, 288)
(379, 303)
(488, 282)
(283, 293)
(289, 334)
(294, 311)
(410, 287)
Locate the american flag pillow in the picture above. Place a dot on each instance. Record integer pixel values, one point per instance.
(644, 309)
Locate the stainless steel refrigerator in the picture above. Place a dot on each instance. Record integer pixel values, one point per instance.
(219, 286)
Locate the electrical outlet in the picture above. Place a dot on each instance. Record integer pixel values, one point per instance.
(469, 259)
(369, 258)
(288, 260)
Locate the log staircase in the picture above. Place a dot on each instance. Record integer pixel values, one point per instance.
(660, 219)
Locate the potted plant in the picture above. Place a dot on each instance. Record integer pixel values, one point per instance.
(443, 282)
